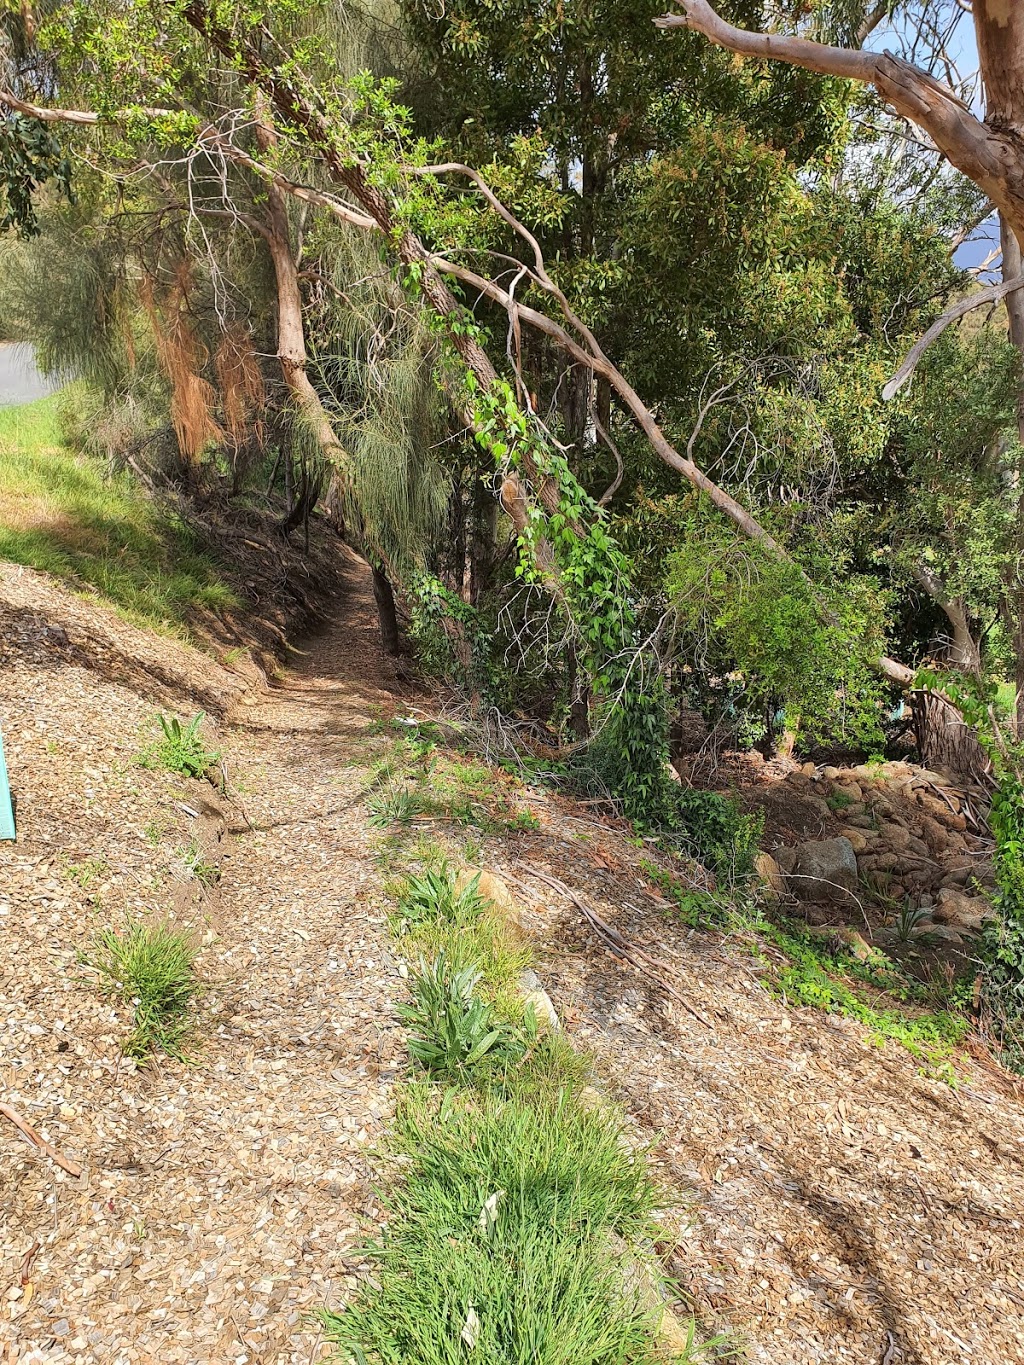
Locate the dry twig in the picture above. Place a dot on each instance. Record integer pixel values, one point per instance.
(72, 1167)
(621, 947)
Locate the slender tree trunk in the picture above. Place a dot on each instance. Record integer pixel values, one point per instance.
(1011, 268)
(384, 596)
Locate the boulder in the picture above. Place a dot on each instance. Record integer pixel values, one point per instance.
(785, 857)
(854, 942)
(960, 911)
(856, 837)
(826, 869)
(490, 888)
(770, 873)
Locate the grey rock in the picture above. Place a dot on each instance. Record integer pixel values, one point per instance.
(826, 869)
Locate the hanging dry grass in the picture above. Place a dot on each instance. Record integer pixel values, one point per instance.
(240, 379)
(182, 357)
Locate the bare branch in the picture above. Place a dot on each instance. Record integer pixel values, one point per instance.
(992, 294)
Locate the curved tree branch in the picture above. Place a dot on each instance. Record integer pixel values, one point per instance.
(992, 294)
(991, 154)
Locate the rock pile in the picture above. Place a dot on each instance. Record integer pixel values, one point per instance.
(903, 835)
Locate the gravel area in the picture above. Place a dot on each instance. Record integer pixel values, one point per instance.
(840, 1205)
(220, 1202)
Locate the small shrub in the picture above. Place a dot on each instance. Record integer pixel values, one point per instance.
(152, 967)
(454, 1029)
(839, 801)
(718, 833)
(182, 749)
(393, 805)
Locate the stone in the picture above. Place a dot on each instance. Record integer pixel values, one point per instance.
(785, 857)
(879, 862)
(862, 821)
(770, 873)
(943, 933)
(854, 942)
(831, 774)
(490, 887)
(850, 788)
(534, 994)
(826, 869)
(897, 837)
(962, 912)
(856, 837)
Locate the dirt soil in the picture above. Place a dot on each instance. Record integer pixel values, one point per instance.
(841, 1206)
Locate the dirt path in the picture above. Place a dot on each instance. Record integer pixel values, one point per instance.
(843, 1206)
(220, 1203)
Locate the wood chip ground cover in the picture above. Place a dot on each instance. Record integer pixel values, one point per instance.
(841, 1205)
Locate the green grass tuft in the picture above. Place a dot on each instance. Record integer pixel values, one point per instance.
(66, 515)
(152, 968)
(181, 749)
(507, 1239)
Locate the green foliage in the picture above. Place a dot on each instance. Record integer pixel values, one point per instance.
(1002, 945)
(717, 832)
(30, 157)
(454, 1030)
(699, 909)
(499, 1241)
(182, 749)
(434, 898)
(152, 968)
(393, 805)
(796, 648)
(813, 975)
(64, 515)
(207, 874)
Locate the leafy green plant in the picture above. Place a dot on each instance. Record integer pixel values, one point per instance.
(454, 1028)
(85, 873)
(839, 801)
(182, 749)
(152, 968)
(717, 832)
(397, 805)
(435, 898)
(907, 925)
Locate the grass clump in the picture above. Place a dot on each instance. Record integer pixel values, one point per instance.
(502, 1238)
(182, 748)
(67, 515)
(152, 968)
(440, 916)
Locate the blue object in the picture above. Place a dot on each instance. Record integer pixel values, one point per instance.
(6, 809)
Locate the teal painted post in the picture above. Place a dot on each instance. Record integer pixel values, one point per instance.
(6, 809)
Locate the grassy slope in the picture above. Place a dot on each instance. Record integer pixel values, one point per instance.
(64, 514)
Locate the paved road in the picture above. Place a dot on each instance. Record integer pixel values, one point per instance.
(20, 381)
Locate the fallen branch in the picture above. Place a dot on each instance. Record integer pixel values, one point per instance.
(620, 946)
(72, 1167)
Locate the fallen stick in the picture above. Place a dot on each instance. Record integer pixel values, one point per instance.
(635, 956)
(72, 1167)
